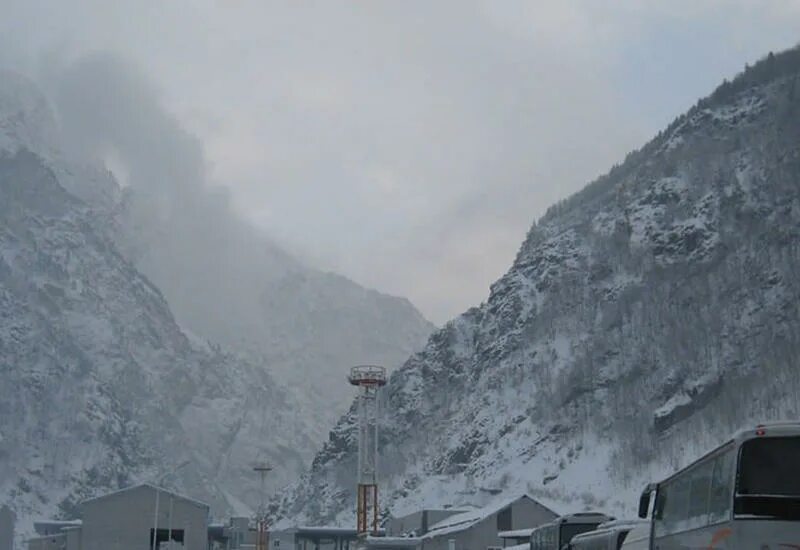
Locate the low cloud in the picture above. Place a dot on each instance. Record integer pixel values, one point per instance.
(407, 145)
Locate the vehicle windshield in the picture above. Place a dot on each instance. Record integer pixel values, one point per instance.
(770, 467)
(769, 479)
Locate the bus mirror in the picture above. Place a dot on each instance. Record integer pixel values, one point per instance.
(644, 500)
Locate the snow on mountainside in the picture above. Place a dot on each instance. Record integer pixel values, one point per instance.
(643, 320)
(223, 279)
(223, 283)
(100, 386)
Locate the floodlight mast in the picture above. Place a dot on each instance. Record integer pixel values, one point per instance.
(368, 379)
(262, 537)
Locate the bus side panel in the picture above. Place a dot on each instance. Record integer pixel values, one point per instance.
(718, 537)
(761, 533)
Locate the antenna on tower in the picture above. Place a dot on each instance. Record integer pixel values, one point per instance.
(368, 379)
(262, 542)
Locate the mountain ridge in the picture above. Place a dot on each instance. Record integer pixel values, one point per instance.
(626, 337)
(132, 392)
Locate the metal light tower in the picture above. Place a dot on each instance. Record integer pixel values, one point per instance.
(262, 541)
(369, 379)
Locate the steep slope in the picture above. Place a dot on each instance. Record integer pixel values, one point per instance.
(100, 385)
(226, 284)
(643, 320)
(230, 284)
(225, 280)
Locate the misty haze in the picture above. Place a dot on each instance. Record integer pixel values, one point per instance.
(399, 275)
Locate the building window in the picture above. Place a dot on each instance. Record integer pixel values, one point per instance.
(276, 544)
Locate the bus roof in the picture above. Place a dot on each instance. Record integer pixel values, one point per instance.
(769, 429)
(766, 429)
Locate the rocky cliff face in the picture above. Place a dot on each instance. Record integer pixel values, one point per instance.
(100, 386)
(223, 278)
(643, 320)
(103, 386)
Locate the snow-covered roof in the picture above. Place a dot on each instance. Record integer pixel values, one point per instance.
(58, 522)
(517, 534)
(43, 525)
(465, 520)
(147, 486)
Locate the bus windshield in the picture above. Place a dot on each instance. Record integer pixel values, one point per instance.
(768, 485)
(768, 467)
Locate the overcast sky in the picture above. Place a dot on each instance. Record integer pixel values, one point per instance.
(409, 145)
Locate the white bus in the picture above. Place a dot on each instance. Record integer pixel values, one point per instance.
(744, 494)
(608, 536)
(557, 534)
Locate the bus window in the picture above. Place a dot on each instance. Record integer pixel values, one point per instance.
(768, 484)
(768, 466)
(719, 508)
(699, 493)
(672, 506)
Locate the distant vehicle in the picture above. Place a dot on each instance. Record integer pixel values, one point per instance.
(559, 532)
(607, 536)
(638, 538)
(744, 494)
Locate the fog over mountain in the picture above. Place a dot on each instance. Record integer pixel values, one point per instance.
(643, 321)
(170, 340)
(210, 210)
(408, 145)
(224, 279)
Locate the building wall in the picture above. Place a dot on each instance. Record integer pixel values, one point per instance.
(525, 513)
(52, 542)
(240, 534)
(404, 524)
(281, 540)
(73, 536)
(6, 528)
(123, 520)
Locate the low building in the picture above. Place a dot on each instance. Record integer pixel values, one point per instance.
(479, 529)
(390, 543)
(516, 537)
(418, 523)
(239, 533)
(314, 538)
(56, 535)
(129, 519)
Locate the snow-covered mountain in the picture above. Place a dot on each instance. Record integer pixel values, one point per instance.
(643, 320)
(223, 279)
(100, 386)
(103, 386)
